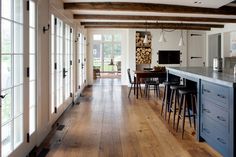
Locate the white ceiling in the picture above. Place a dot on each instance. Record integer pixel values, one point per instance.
(203, 3)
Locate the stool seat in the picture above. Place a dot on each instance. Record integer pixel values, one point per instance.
(187, 91)
(175, 87)
(170, 83)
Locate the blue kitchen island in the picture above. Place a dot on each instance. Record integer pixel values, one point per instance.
(215, 105)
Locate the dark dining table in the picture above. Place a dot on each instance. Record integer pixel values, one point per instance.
(161, 75)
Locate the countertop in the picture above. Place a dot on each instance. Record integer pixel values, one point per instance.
(226, 77)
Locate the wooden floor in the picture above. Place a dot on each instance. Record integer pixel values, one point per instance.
(107, 123)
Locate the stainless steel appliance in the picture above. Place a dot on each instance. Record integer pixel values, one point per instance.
(217, 64)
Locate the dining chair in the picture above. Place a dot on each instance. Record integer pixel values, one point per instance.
(133, 83)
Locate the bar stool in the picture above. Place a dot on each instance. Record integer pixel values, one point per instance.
(166, 96)
(185, 95)
(174, 98)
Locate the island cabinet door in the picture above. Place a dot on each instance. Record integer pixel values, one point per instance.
(215, 117)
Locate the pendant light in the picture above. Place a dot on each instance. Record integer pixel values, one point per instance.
(162, 37)
(181, 40)
(145, 41)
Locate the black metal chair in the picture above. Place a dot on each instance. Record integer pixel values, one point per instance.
(152, 83)
(133, 83)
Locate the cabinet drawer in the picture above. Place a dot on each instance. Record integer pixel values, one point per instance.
(217, 113)
(215, 135)
(217, 93)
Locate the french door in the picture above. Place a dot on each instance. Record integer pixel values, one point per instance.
(81, 68)
(61, 63)
(18, 76)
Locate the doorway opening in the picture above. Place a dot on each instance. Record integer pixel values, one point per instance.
(106, 50)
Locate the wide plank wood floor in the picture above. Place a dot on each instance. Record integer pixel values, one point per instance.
(107, 123)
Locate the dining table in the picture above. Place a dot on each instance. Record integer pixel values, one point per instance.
(161, 75)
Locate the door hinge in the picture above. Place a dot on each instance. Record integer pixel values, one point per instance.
(70, 30)
(84, 81)
(70, 62)
(79, 35)
(55, 109)
(78, 60)
(28, 138)
(27, 6)
(71, 95)
(79, 86)
(55, 21)
(55, 66)
(28, 72)
(85, 59)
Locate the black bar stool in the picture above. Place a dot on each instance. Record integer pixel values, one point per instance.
(166, 96)
(187, 95)
(174, 99)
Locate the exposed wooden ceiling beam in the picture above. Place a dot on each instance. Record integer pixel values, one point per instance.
(148, 7)
(143, 27)
(155, 18)
(151, 24)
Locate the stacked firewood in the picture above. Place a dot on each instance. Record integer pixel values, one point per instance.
(143, 51)
(143, 55)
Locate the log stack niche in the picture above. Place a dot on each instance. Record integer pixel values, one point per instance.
(143, 51)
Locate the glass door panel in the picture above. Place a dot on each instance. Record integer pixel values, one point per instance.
(12, 86)
(97, 56)
(108, 57)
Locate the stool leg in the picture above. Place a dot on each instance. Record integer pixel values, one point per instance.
(170, 104)
(163, 100)
(194, 110)
(180, 109)
(188, 108)
(175, 108)
(185, 103)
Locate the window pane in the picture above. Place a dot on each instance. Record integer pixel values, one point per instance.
(6, 72)
(6, 106)
(32, 93)
(6, 139)
(6, 8)
(32, 67)
(18, 69)
(32, 14)
(32, 120)
(32, 40)
(97, 37)
(18, 131)
(18, 38)
(6, 36)
(107, 37)
(117, 37)
(18, 100)
(18, 11)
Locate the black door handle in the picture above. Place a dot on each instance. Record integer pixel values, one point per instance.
(3, 96)
(195, 57)
(64, 72)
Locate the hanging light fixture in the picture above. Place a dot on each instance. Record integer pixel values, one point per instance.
(162, 37)
(181, 40)
(145, 41)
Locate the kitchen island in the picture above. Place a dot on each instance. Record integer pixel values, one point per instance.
(215, 105)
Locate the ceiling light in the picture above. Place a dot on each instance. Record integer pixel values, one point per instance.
(181, 40)
(162, 37)
(145, 41)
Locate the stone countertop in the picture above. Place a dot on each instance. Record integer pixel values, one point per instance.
(226, 77)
